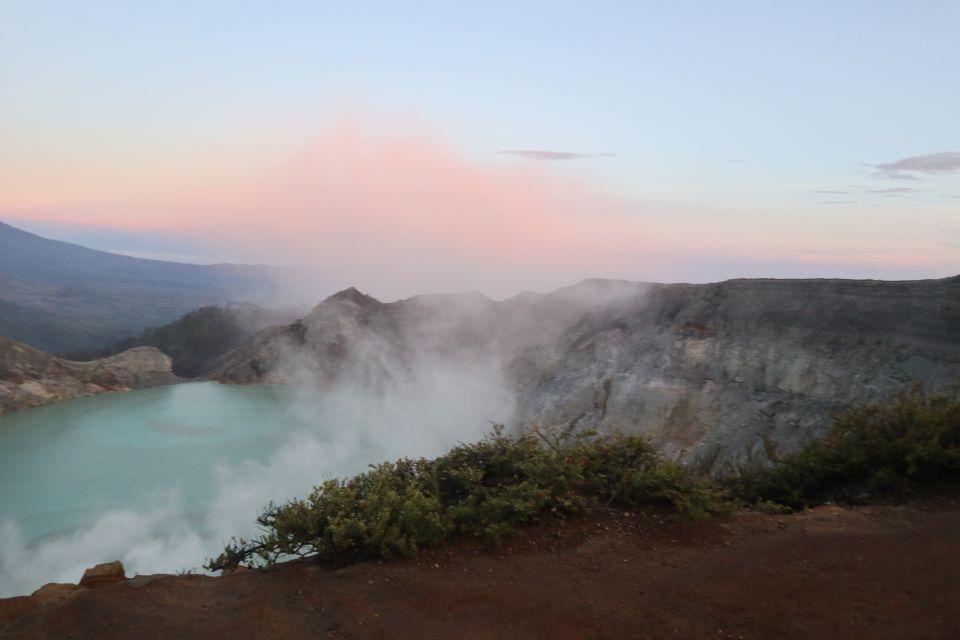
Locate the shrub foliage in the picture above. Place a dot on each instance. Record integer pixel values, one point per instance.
(489, 487)
(870, 452)
(197, 339)
(485, 488)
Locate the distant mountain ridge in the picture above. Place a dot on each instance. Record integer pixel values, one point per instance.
(61, 297)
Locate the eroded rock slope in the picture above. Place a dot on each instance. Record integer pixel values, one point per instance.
(30, 377)
(703, 369)
(722, 366)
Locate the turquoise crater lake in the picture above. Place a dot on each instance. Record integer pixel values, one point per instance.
(161, 478)
(63, 464)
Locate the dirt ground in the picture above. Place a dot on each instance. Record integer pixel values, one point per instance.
(831, 573)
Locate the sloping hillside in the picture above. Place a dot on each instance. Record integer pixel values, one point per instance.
(62, 297)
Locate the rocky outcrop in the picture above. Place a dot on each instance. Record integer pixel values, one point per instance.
(352, 335)
(717, 369)
(29, 377)
(103, 574)
(138, 368)
(703, 369)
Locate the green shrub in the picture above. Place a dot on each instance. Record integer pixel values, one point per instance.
(197, 339)
(489, 487)
(870, 452)
(390, 510)
(628, 471)
(493, 485)
(485, 488)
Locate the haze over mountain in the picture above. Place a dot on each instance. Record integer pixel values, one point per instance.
(710, 369)
(61, 297)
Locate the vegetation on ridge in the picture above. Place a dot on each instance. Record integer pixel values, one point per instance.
(489, 487)
(871, 452)
(486, 488)
(199, 337)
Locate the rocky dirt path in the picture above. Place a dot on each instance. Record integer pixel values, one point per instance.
(878, 572)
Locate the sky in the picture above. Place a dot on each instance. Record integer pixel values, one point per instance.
(500, 146)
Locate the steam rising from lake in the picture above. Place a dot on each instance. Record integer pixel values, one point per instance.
(160, 479)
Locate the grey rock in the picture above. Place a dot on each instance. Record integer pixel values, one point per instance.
(707, 370)
(723, 366)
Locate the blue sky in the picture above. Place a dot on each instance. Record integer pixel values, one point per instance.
(723, 111)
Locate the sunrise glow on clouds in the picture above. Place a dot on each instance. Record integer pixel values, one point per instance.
(395, 201)
(638, 149)
(397, 210)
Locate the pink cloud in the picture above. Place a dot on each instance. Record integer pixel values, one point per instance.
(352, 195)
(400, 213)
(375, 205)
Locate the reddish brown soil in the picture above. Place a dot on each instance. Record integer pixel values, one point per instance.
(878, 572)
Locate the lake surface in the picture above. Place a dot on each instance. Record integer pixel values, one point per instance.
(62, 464)
(160, 478)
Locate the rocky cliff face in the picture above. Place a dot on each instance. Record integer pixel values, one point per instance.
(701, 368)
(352, 335)
(29, 377)
(722, 366)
